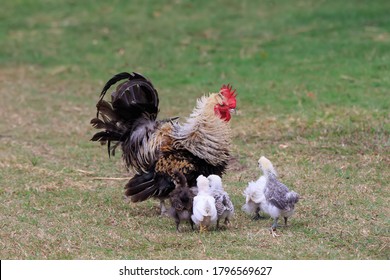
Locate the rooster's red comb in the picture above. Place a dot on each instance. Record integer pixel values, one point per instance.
(226, 90)
(230, 95)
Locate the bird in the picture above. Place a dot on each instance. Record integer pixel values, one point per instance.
(254, 197)
(204, 210)
(280, 201)
(181, 199)
(152, 148)
(223, 204)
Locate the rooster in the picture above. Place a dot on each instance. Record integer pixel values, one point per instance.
(153, 148)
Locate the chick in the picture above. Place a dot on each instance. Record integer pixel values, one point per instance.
(223, 204)
(280, 201)
(254, 197)
(181, 199)
(204, 211)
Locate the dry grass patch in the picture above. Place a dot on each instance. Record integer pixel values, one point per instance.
(53, 207)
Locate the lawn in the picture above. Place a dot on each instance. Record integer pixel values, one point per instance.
(313, 83)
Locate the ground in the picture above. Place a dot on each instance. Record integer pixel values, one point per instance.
(313, 96)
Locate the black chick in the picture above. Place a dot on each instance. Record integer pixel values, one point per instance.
(181, 199)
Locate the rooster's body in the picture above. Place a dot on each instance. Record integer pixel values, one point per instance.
(153, 148)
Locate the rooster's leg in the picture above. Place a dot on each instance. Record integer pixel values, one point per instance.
(285, 221)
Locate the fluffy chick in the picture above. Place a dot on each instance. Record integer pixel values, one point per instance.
(204, 211)
(254, 197)
(280, 201)
(181, 199)
(223, 204)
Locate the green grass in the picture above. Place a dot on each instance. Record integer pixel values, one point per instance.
(313, 94)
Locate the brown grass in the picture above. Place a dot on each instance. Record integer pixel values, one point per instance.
(54, 208)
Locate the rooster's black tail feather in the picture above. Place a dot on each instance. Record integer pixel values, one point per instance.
(146, 185)
(133, 99)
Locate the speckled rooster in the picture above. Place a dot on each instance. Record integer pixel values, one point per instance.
(153, 148)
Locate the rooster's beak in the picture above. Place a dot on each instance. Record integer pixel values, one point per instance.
(232, 111)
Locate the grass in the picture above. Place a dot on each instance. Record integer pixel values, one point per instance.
(313, 84)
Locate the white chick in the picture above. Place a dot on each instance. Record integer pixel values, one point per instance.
(254, 197)
(223, 204)
(204, 211)
(280, 201)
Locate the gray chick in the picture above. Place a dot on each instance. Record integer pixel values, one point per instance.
(280, 201)
(223, 204)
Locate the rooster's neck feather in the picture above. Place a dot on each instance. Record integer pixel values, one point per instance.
(204, 134)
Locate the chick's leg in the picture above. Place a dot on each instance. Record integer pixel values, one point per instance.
(257, 216)
(227, 222)
(202, 228)
(163, 208)
(273, 228)
(177, 225)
